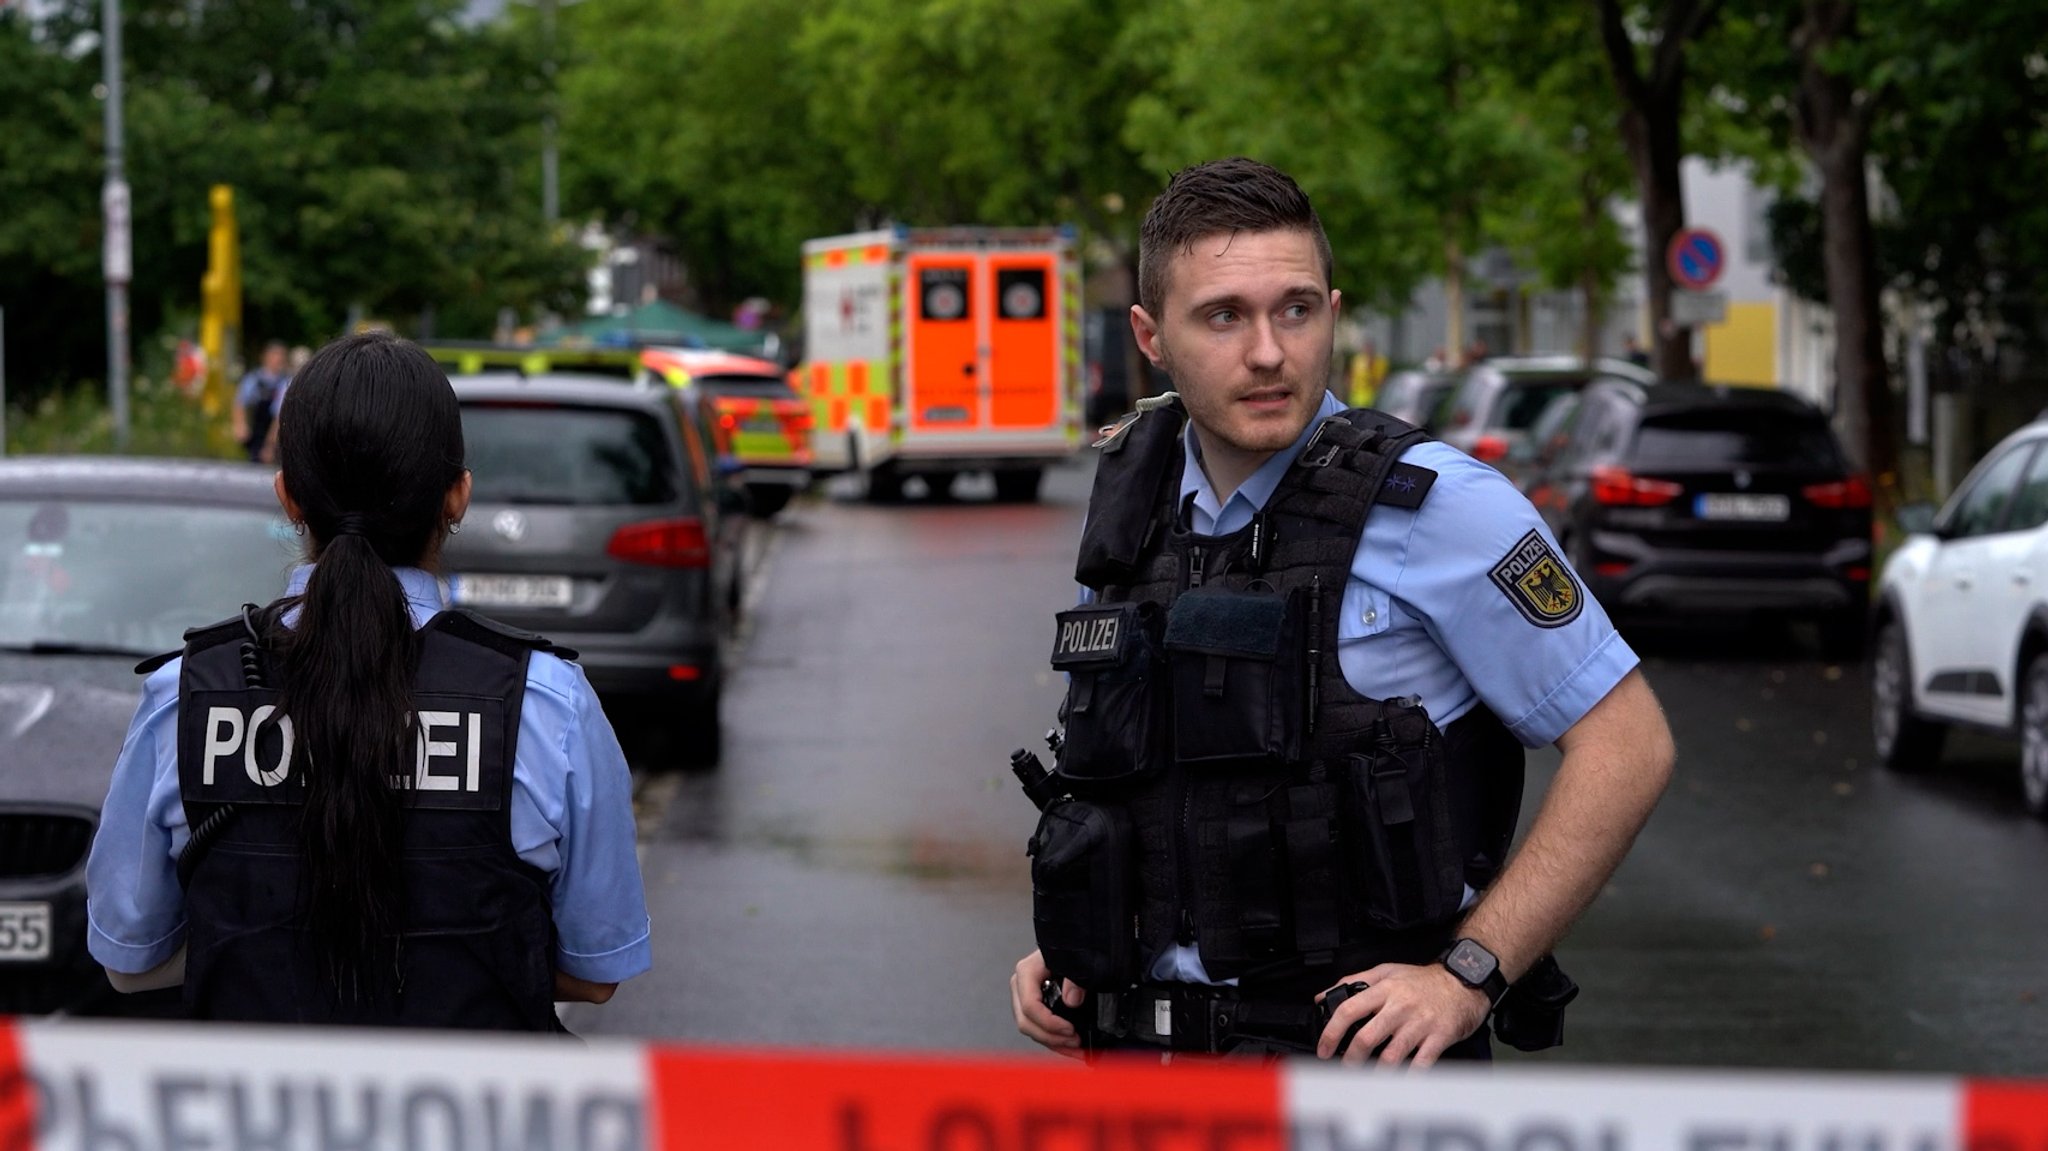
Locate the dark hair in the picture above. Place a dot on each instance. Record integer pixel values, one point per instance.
(370, 441)
(1221, 196)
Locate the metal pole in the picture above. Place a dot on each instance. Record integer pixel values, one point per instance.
(550, 168)
(114, 203)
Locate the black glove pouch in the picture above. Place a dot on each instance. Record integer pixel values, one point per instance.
(1115, 710)
(1399, 814)
(1239, 676)
(1530, 1017)
(1083, 894)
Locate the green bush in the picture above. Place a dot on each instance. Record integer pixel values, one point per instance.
(161, 422)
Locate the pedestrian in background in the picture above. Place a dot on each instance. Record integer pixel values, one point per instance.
(255, 399)
(1314, 646)
(355, 805)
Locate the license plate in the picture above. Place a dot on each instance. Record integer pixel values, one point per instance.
(24, 932)
(1739, 506)
(510, 590)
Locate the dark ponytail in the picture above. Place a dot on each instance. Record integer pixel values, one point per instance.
(370, 441)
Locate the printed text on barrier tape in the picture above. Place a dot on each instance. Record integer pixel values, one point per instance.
(711, 1101)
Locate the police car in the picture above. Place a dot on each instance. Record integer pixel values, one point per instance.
(102, 562)
(1962, 618)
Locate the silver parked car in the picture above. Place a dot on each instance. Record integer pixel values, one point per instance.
(1497, 401)
(599, 520)
(102, 562)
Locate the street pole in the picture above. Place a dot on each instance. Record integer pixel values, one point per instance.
(114, 204)
(550, 168)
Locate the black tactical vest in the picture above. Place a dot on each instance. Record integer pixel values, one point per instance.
(476, 949)
(1273, 816)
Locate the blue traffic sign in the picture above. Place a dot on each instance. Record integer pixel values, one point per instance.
(1694, 258)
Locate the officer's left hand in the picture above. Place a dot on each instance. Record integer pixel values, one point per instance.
(1415, 1011)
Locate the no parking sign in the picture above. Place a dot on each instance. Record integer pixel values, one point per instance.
(1694, 258)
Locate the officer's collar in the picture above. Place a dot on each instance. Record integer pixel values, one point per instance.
(423, 590)
(1195, 492)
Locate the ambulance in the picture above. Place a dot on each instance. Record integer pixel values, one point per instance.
(934, 352)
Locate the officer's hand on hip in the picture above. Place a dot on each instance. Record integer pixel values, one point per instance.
(1416, 1011)
(1034, 1019)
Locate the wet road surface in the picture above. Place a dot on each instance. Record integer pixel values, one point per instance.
(853, 875)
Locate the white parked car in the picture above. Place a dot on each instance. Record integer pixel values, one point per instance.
(1962, 618)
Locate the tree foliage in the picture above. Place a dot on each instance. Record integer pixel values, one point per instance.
(384, 153)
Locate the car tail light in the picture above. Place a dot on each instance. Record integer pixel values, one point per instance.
(676, 543)
(728, 421)
(1487, 449)
(1611, 568)
(1853, 492)
(1612, 485)
(1857, 574)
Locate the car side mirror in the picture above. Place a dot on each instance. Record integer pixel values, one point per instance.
(1916, 518)
(734, 500)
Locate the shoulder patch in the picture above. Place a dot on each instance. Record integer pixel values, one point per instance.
(1405, 486)
(1539, 584)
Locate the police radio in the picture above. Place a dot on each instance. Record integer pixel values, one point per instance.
(1042, 787)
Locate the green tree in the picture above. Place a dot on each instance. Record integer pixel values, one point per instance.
(384, 155)
(693, 122)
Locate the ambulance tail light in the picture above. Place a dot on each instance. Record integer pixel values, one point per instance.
(728, 421)
(1853, 492)
(676, 543)
(1488, 449)
(1618, 487)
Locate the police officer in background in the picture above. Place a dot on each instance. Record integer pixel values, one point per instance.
(1313, 647)
(354, 805)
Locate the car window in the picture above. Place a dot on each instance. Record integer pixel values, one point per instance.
(765, 387)
(562, 454)
(132, 575)
(2030, 505)
(1717, 440)
(1598, 434)
(1981, 509)
(1521, 403)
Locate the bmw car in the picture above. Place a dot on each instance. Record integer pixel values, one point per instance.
(102, 562)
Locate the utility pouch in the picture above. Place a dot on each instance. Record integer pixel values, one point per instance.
(1400, 822)
(1083, 885)
(1530, 1017)
(1239, 676)
(1115, 710)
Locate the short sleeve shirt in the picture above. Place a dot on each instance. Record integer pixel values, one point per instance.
(572, 818)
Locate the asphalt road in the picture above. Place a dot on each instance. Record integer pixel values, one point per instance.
(853, 875)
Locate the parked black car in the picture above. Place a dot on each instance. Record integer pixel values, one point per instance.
(599, 520)
(102, 562)
(1711, 501)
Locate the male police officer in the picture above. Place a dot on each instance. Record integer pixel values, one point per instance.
(1314, 648)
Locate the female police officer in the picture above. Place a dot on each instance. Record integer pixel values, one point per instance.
(354, 806)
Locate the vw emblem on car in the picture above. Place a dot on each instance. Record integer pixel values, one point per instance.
(509, 524)
(1742, 481)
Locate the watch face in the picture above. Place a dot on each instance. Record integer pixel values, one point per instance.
(1470, 962)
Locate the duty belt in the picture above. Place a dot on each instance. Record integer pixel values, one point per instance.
(1194, 1018)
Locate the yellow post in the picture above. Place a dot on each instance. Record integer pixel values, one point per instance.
(220, 294)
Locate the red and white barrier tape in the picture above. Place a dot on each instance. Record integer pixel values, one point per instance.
(114, 1087)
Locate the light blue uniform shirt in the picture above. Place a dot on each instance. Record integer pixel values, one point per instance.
(1422, 614)
(572, 817)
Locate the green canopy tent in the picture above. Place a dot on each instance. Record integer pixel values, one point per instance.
(661, 322)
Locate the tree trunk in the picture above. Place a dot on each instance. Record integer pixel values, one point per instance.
(1592, 294)
(1650, 127)
(1863, 397)
(1833, 122)
(1656, 149)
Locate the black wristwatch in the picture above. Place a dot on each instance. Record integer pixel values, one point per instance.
(1477, 968)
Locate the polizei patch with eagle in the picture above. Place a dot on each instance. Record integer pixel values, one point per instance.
(1540, 586)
